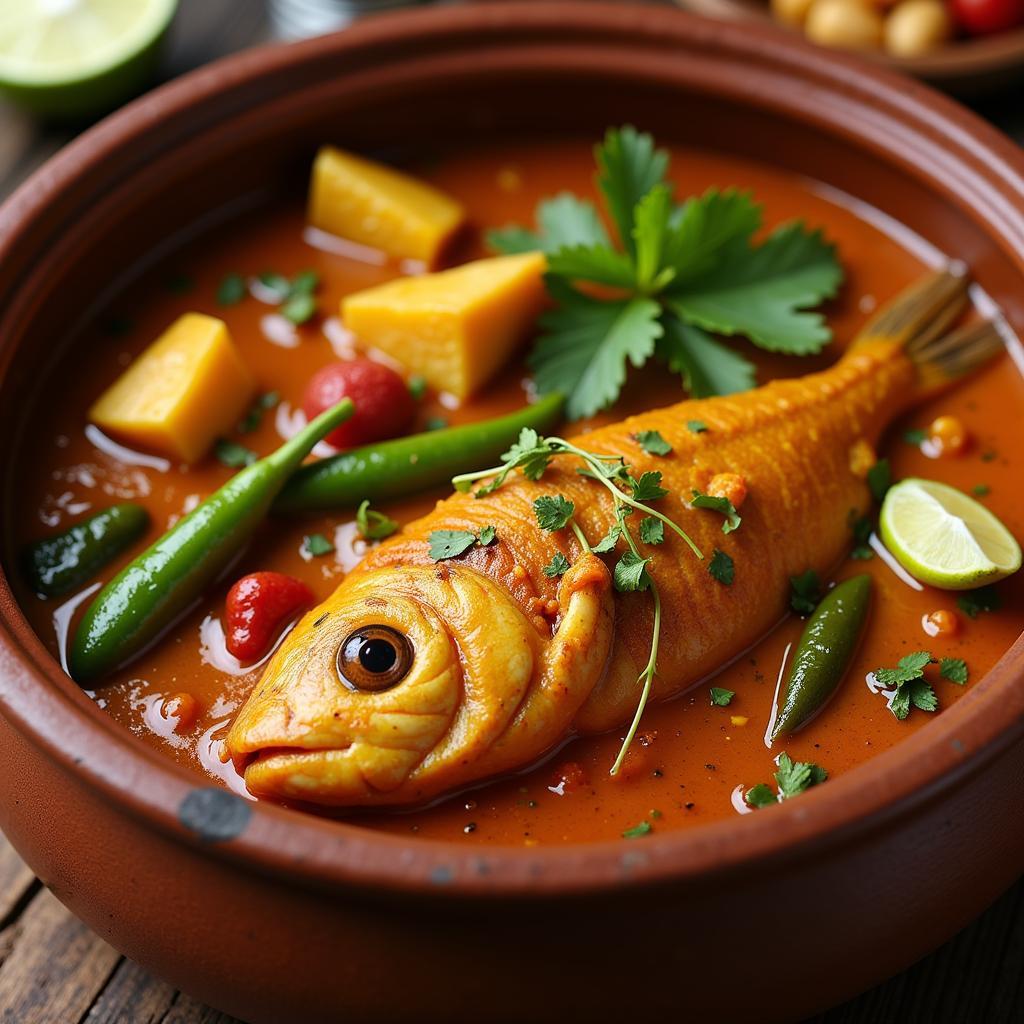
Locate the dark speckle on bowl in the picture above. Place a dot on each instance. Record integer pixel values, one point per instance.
(215, 815)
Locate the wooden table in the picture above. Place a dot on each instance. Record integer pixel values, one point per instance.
(53, 970)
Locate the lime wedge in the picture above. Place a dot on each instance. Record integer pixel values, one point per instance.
(75, 58)
(944, 538)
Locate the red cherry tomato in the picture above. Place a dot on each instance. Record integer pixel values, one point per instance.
(985, 17)
(257, 606)
(384, 405)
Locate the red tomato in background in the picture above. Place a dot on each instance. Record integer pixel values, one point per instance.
(984, 17)
(384, 405)
(258, 606)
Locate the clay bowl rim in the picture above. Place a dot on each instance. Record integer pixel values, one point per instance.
(51, 712)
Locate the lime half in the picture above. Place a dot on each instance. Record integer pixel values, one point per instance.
(75, 58)
(944, 538)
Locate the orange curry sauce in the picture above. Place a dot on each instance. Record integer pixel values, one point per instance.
(692, 756)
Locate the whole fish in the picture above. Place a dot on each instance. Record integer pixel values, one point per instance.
(416, 678)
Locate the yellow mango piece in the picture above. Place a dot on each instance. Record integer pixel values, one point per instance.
(189, 387)
(455, 328)
(377, 206)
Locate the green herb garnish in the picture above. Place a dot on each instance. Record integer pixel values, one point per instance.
(652, 531)
(973, 602)
(316, 544)
(696, 426)
(231, 290)
(879, 479)
(911, 688)
(761, 795)
(638, 830)
(232, 454)
(915, 436)
(804, 592)
(954, 669)
(488, 535)
(792, 779)
(532, 454)
(445, 544)
(373, 525)
(722, 568)
(862, 529)
(417, 387)
(981, 490)
(681, 270)
(254, 417)
(723, 505)
(653, 443)
(721, 697)
(296, 298)
(435, 423)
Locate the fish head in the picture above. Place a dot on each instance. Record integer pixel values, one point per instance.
(411, 680)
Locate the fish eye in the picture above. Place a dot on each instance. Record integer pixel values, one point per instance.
(374, 658)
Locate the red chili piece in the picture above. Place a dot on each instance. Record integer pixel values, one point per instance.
(384, 405)
(257, 606)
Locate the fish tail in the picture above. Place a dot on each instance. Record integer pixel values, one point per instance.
(918, 322)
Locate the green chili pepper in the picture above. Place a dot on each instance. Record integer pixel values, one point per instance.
(57, 564)
(395, 468)
(150, 593)
(824, 652)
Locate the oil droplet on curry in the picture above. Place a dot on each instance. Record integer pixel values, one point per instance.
(691, 754)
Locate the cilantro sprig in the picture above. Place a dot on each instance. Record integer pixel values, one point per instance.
(532, 455)
(906, 686)
(792, 779)
(677, 273)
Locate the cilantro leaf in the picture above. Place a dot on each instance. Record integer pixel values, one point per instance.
(586, 344)
(653, 443)
(696, 426)
(641, 829)
(760, 796)
(651, 223)
(879, 479)
(232, 454)
(593, 263)
(862, 530)
(488, 535)
(608, 541)
(628, 168)
(764, 292)
(231, 290)
(794, 777)
(562, 222)
(900, 703)
(648, 487)
(908, 668)
(973, 602)
(706, 366)
(705, 226)
(721, 697)
(446, 544)
(254, 417)
(553, 512)
(513, 239)
(652, 530)
(558, 565)
(922, 695)
(805, 592)
(915, 436)
(954, 669)
(299, 308)
(316, 544)
(722, 568)
(631, 573)
(374, 525)
(723, 505)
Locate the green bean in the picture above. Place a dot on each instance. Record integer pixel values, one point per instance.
(392, 469)
(159, 586)
(824, 652)
(57, 564)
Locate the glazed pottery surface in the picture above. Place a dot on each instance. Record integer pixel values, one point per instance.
(275, 916)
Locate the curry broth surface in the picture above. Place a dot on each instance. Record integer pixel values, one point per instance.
(692, 757)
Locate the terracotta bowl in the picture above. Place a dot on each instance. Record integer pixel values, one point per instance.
(275, 916)
(966, 67)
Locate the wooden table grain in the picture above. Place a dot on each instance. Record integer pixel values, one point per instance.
(53, 970)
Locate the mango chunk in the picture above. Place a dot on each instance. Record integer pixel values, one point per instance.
(455, 328)
(377, 206)
(182, 392)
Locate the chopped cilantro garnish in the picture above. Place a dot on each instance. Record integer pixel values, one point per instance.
(954, 669)
(374, 525)
(316, 544)
(681, 271)
(722, 568)
(973, 602)
(254, 417)
(607, 543)
(232, 454)
(417, 387)
(647, 488)
(631, 573)
(641, 829)
(299, 308)
(804, 592)
(862, 529)
(723, 505)
(652, 531)
(558, 565)
(879, 479)
(980, 490)
(696, 426)
(653, 443)
(721, 697)
(911, 688)
(446, 544)
(231, 290)
(792, 779)
(276, 283)
(915, 436)
(553, 512)
(296, 299)
(761, 795)
(435, 423)
(488, 535)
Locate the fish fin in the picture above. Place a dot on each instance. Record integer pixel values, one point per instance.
(918, 321)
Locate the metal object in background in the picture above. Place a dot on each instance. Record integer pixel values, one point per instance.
(298, 19)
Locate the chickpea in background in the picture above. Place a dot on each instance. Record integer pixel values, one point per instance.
(917, 27)
(791, 12)
(848, 24)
